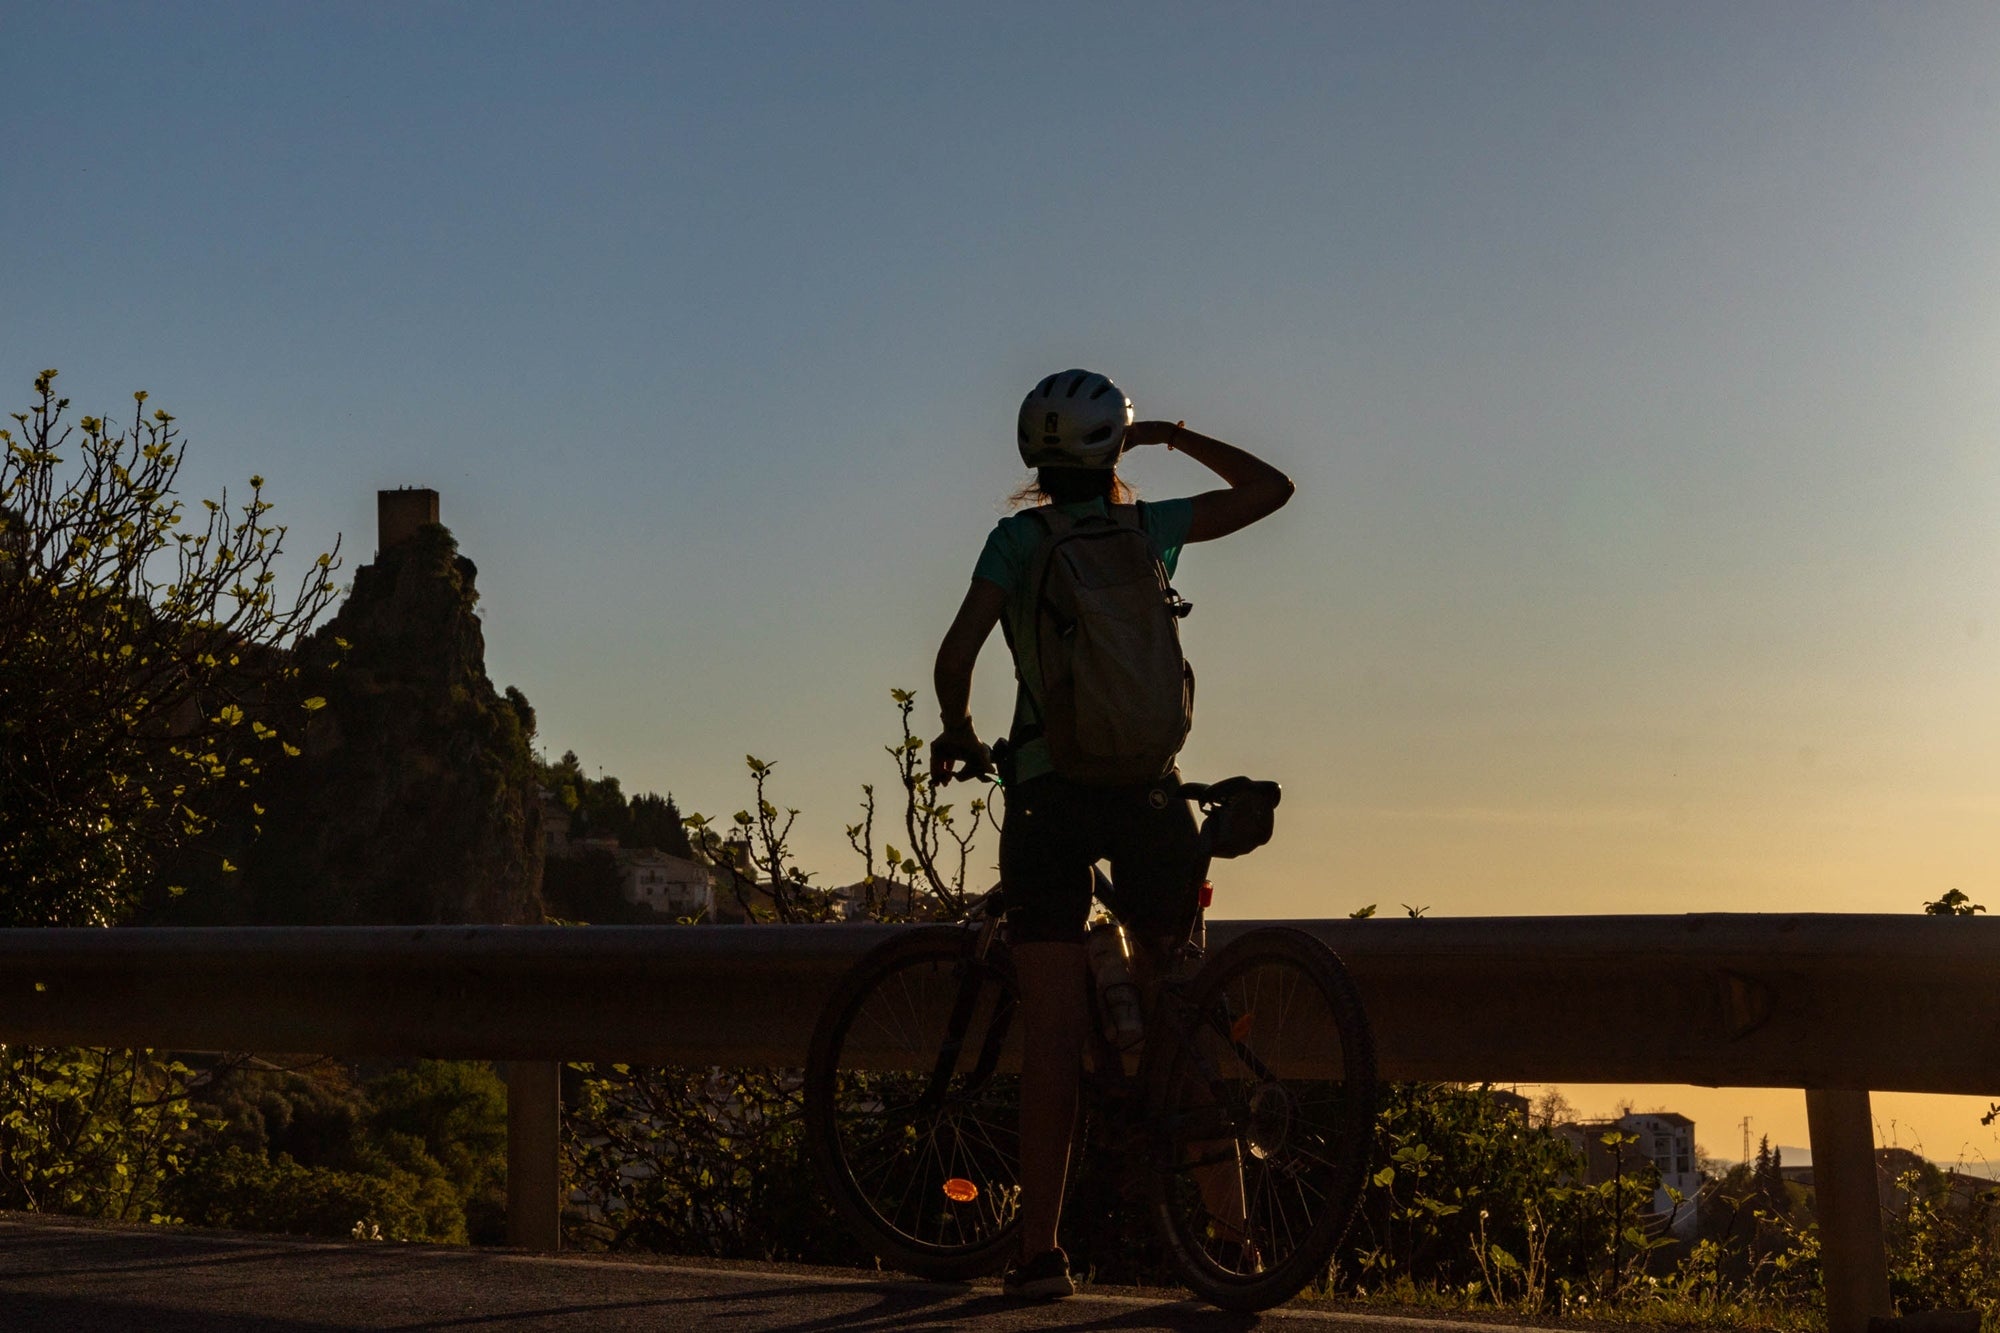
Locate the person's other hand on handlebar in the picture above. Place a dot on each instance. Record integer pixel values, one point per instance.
(959, 744)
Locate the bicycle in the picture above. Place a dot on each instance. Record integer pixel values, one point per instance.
(1252, 1102)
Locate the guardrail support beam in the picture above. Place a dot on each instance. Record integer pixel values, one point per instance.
(1850, 1212)
(534, 1151)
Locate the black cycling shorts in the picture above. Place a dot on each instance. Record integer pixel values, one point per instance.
(1057, 830)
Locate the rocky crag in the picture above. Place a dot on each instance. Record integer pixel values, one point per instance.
(414, 800)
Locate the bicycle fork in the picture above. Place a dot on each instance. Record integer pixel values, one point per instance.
(1206, 1139)
(972, 972)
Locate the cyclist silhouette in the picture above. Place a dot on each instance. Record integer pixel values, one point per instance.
(1073, 428)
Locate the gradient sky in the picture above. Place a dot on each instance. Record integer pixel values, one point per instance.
(1637, 366)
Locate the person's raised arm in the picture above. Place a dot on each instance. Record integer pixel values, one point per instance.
(1256, 489)
(952, 678)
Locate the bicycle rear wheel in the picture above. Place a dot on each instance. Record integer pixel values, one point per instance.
(1263, 1118)
(913, 1103)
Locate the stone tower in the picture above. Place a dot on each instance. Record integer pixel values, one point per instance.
(399, 513)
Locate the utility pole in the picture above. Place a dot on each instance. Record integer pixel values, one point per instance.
(1746, 1140)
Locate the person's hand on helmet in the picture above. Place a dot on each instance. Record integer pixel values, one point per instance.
(1141, 433)
(959, 744)
(1155, 432)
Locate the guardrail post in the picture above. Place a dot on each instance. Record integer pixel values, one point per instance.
(534, 1168)
(1850, 1211)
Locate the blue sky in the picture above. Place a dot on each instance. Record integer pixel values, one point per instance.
(1636, 365)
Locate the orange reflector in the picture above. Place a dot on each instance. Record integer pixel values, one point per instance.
(1241, 1028)
(960, 1190)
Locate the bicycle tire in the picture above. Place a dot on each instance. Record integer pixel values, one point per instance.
(922, 1161)
(1275, 1081)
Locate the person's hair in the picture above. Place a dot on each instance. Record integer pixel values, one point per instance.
(1070, 485)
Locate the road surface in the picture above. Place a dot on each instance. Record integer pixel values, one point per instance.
(63, 1276)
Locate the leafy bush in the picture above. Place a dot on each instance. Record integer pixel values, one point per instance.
(697, 1161)
(139, 658)
(418, 1152)
(1943, 1237)
(91, 1132)
(241, 1189)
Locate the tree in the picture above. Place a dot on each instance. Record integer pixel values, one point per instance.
(142, 661)
(656, 823)
(1552, 1109)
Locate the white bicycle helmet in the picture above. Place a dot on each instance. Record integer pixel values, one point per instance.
(1074, 419)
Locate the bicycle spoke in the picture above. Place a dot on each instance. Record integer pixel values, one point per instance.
(904, 1136)
(1264, 1131)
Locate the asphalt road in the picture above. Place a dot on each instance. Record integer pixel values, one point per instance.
(73, 1277)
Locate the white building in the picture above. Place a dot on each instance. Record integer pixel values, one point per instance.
(1667, 1138)
(670, 885)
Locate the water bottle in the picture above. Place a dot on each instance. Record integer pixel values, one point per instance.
(1118, 1001)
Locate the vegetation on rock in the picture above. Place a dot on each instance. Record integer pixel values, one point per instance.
(414, 801)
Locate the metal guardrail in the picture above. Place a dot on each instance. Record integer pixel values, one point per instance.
(1835, 1004)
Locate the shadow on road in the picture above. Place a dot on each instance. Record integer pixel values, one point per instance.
(85, 1278)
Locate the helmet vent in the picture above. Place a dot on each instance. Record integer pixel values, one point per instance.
(1100, 391)
(1098, 436)
(1076, 384)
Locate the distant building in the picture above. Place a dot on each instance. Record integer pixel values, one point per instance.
(1665, 1138)
(671, 885)
(896, 899)
(555, 824)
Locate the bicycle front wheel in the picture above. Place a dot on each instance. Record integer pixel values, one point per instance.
(1263, 1109)
(913, 1103)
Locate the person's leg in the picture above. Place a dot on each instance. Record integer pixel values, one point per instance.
(1054, 1011)
(1157, 868)
(1046, 869)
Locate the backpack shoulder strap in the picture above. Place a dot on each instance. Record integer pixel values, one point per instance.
(1054, 521)
(1056, 525)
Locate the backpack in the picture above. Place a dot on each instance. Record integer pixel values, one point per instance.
(1116, 695)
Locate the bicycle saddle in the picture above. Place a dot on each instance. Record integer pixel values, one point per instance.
(1240, 814)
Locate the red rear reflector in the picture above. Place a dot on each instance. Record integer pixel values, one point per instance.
(1207, 895)
(1241, 1028)
(960, 1190)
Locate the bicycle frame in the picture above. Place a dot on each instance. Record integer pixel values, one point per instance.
(1213, 1111)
